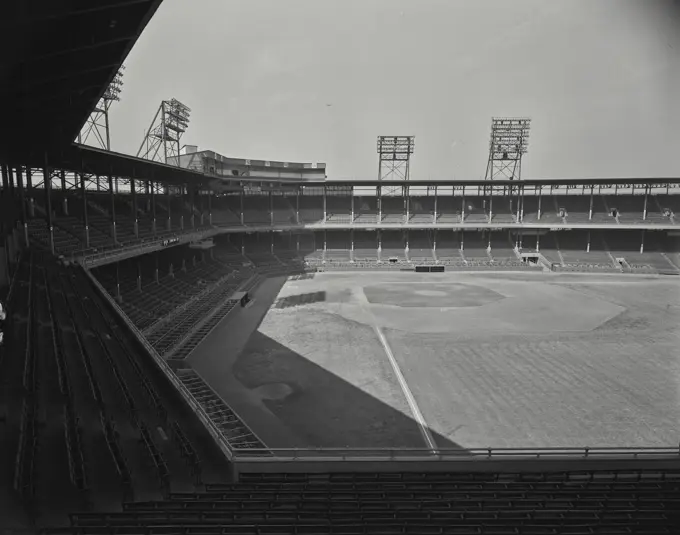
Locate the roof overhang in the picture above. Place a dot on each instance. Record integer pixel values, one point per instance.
(57, 57)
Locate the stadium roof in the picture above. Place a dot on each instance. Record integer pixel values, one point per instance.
(57, 57)
(585, 181)
(81, 158)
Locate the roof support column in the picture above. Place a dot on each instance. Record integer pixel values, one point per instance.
(153, 207)
(182, 206)
(169, 226)
(47, 183)
(29, 192)
(434, 219)
(133, 190)
(86, 223)
(113, 210)
(22, 201)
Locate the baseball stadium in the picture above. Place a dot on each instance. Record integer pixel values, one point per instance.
(199, 344)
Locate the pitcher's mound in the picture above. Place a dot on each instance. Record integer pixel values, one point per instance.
(431, 295)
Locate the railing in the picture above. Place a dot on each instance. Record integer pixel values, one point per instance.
(427, 455)
(163, 365)
(87, 260)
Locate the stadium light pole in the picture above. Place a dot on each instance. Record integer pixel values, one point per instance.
(161, 141)
(97, 125)
(394, 158)
(508, 144)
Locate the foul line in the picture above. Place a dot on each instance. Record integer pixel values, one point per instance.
(407, 391)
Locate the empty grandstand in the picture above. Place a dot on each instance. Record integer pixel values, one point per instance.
(218, 345)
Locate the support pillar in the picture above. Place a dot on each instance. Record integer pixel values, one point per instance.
(378, 192)
(64, 200)
(86, 223)
(242, 202)
(47, 183)
(407, 203)
(169, 199)
(183, 204)
(434, 219)
(133, 191)
(271, 209)
(153, 207)
(113, 210)
(297, 209)
(22, 201)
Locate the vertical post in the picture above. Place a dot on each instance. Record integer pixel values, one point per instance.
(169, 199)
(540, 190)
(133, 191)
(47, 183)
(64, 200)
(113, 209)
(297, 210)
(183, 205)
(590, 213)
(378, 194)
(271, 209)
(5, 178)
(192, 200)
(22, 201)
(201, 203)
(86, 223)
(324, 215)
(434, 220)
(642, 242)
(644, 208)
(243, 221)
(462, 204)
(210, 207)
(29, 192)
(490, 202)
(351, 204)
(153, 207)
(407, 203)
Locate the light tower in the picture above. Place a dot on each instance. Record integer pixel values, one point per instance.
(162, 140)
(394, 158)
(509, 142)
(96, 129)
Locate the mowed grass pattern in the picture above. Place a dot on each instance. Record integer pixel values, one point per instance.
(543, 393)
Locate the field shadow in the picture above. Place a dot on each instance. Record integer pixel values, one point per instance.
(320, 409)
(300, 299)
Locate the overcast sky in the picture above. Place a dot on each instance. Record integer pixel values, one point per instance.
(319, 80)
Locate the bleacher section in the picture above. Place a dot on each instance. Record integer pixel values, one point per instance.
(421, 209)
(465, 503)
(392, 245)
(87, 417)
(420, 245)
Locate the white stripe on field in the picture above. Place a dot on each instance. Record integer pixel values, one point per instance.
(407, 391)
